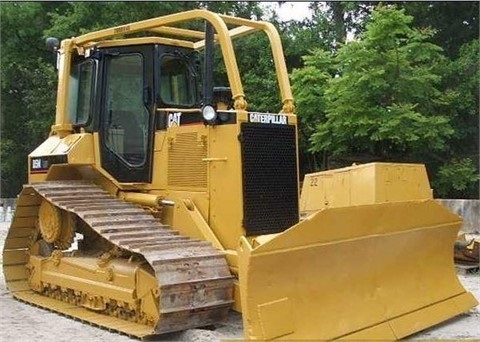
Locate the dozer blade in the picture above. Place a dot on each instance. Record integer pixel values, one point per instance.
(381, 271)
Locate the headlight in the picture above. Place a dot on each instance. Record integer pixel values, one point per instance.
(209, 114)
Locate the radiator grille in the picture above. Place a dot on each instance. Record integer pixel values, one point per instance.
(185, 165)
(270, 183)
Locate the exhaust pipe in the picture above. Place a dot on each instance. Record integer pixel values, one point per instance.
(208, 73)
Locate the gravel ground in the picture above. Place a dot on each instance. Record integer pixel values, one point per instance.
(22, 322)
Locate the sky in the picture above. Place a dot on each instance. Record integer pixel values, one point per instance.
(295, 11)
(290, 10)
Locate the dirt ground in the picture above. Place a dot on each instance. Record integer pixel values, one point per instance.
(22, 322)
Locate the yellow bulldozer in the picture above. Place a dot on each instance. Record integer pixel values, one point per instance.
(159, 202)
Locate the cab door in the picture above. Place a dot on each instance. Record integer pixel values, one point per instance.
(127, 113)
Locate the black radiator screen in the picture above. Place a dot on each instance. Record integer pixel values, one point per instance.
(270, 189)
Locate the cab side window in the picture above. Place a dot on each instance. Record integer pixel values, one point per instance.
(81, 92)
(176, 82)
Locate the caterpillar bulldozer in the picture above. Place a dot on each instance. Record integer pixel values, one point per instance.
(159, 202)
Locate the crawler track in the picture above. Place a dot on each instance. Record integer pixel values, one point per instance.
(194, 282)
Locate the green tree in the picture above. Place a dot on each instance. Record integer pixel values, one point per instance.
(456, 31)
(257, 72)
(346, 17)
(457, 179)
(455, 22)
(242, 9)
(309, 46)
(27, 87)
(301, 37)
(83, 17)
(309, 84)
(385, 104)
(458, 166)
(326, 29)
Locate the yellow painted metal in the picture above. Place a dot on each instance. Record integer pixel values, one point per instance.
(139, 41)
(187, 218)
(240, 31)
(129, 328)
(187, 173)
(49, 221)
(175, 31)
(85, 275)
(376, 268)
(183, 110)
(63, 126)
(364, 184)
(20, 238)
(214, 160)
(199, 223)
(145, 199)
(77, 148)
(225, 185)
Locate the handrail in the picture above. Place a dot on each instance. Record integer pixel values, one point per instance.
(146, 25)
(183, 110)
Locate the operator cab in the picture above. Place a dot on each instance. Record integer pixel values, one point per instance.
(117, 92)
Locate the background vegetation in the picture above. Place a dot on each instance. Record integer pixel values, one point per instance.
(397, 81)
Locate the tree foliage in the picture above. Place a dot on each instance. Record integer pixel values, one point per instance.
(28, 89)
(392, 95)
(385, 102)
(457, 169)
(456, 179)
(455, 22)
(309, 84)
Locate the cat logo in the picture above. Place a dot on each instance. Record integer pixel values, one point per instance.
(174, 119)
(268, 118)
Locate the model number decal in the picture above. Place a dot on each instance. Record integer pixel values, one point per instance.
(36, 164)
(42, 164)
(268, 118)
(39, 165)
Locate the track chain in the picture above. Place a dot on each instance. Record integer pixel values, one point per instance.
(188, 270)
